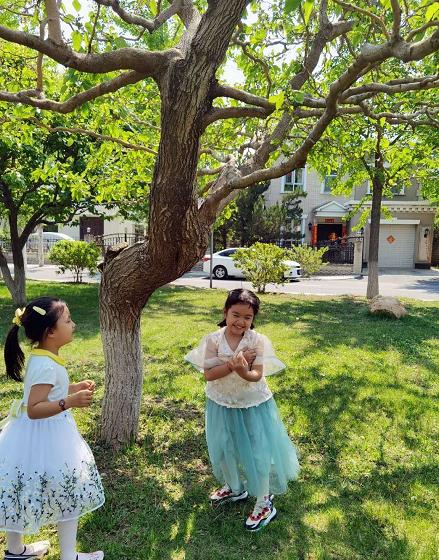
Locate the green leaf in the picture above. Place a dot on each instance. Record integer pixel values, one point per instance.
(278, 99)
(291, 6)
(120, 43)
(76, 40)
(307, 9)
(431, 11)
(297, 96)
(153, 7)
(77, 5)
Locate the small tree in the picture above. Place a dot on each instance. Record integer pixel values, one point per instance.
(311, 260)
(262, 264)
(76, 256)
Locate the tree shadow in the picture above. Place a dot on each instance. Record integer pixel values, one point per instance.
(157, 492)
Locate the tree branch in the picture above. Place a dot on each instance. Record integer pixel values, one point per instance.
(148, 63)
(371, 54)
(34, 98)
(40, 58)
(54, 22)
(220, 90)
(93, 134)
(414, 32)
(216, 114)
(396, 27)
(208, 171)
(372, 16)
(150, 25)
(353, 95)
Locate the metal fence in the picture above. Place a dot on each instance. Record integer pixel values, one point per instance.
(105, 241)
(340, 251)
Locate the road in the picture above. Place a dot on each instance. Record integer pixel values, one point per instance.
(417, 284)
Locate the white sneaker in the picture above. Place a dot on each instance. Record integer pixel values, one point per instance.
(226, 494)
(33, 550)
(262, 514)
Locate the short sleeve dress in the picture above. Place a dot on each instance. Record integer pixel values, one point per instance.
(248, 444)
(47, 470)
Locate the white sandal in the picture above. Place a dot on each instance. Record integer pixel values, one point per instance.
(98, 555)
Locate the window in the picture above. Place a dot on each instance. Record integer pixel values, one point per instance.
(294, 181)
(398, 191)
(327, 182)
(227, 253)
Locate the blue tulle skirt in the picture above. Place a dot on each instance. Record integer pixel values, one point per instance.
(250, 448)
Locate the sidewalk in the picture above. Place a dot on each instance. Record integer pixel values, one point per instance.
(417, 284)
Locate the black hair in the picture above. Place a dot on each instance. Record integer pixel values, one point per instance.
(241, 296)
(35, 327)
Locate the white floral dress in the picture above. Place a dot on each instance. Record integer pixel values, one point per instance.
(47, 470)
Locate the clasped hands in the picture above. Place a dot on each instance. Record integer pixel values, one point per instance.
(242, 362)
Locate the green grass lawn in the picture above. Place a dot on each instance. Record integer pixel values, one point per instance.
(359, 398)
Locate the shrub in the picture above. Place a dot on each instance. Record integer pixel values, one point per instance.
(262, 264)
(76, 256)
(310, 259)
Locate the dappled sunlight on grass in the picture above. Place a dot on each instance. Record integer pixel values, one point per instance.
(359, 397)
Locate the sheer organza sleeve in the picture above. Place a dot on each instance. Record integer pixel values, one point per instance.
(266, 357)
(205, 355)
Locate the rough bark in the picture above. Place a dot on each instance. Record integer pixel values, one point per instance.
(177, 236)
(123, 371)
(374, 239)
(16, 284)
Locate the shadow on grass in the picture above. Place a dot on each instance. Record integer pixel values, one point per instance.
(157, 494)
(350, 489)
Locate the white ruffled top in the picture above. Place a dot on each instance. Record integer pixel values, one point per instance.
(232, 390)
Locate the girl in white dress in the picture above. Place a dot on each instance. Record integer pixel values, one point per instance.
(249, 447)
(47, 471)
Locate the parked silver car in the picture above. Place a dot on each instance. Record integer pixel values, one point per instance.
(49, 240)
(224, 266)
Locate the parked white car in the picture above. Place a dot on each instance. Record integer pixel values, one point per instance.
(224, 266)
(49, 240)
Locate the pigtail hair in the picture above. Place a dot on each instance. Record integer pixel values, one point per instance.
(14, 356)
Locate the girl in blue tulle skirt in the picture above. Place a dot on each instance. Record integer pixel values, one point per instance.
(249, 447)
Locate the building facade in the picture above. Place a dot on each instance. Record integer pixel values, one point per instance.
(406, 238)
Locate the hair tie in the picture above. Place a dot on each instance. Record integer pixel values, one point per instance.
(39, 310)
(17, 317)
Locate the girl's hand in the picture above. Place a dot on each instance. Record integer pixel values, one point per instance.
(240, 364)
(250, 355)
(86, 384)
(81, 399)
(230, 365)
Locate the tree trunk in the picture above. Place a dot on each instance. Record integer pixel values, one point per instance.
(16, 283)
(121, 303)
(123, 375)
(177, 236)
(374, 239)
